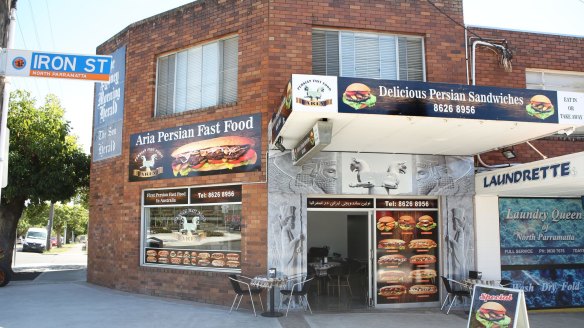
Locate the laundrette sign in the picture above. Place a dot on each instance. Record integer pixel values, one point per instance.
(540, 173)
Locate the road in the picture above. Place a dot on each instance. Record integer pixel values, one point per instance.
(73, 258)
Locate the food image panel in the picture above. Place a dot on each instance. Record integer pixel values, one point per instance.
(407, 254)
(182, 258)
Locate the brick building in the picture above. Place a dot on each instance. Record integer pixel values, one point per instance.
(216, 63)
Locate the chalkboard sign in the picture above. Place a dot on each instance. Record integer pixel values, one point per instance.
(497, 307)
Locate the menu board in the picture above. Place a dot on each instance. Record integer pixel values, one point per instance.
(197, 258)
(497, 307)
(407, 255)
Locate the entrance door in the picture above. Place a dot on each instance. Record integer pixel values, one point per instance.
(347, 236)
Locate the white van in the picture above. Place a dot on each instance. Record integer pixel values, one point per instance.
(35, 240)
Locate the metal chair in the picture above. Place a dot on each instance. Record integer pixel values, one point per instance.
(339, 277)
(463, 292)
(239, 292)
(298, 289)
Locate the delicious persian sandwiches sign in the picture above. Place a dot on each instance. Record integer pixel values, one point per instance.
(330, 94)
(387, 97)
(216, 147)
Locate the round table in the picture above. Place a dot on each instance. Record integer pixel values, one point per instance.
(263, 281)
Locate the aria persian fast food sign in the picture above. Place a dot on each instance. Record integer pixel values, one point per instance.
(214, 147)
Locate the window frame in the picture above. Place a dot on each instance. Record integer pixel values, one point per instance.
(143, 229)
(396, 36)
(220, 76)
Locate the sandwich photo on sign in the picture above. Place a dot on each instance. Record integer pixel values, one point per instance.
(213, 154)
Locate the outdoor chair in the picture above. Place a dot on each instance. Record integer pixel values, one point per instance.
(453, 292)
(239, 292)
(298, 289)
(339, 277)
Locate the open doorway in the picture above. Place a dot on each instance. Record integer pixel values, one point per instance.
(339, 244)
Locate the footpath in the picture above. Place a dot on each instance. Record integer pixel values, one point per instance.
(63, 298)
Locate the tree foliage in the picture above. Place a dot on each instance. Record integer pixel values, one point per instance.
(45, 161)
(72, 216)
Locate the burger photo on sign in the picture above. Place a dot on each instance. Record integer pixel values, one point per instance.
(425, 223)
(493, 315)
(358, 96)
(540, 106)
(213, 154)
(385, 223)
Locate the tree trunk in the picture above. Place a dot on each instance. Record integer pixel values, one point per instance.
(9, 216)
(50, 226)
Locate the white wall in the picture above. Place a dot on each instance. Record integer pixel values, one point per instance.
(488, 243)
(328, 229)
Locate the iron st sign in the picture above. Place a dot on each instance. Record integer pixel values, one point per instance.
(55, 65)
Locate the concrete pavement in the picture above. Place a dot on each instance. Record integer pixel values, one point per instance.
(64, 299)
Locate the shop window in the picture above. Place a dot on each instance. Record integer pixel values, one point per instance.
(198, 77)
(368, 55)
(201, 236)
(554, 80)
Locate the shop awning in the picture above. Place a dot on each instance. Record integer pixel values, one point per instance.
(553, 177)
(418, 118)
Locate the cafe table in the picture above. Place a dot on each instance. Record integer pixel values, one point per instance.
(263, 281)
(470, 283)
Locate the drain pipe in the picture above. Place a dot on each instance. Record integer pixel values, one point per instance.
(474, 46)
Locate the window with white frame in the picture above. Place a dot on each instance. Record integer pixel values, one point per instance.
(554, 80)
(198, 77)
(368, 55)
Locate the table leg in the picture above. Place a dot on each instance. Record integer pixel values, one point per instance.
(272, 313)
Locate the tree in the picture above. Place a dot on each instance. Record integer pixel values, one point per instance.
(45, 162)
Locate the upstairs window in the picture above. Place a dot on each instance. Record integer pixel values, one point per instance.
(368, 55)
(198, 77)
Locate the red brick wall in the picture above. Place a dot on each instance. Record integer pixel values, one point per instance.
(114, 241)
(531, 51)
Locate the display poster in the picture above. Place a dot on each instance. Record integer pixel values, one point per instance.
(542, 250)
(548, 287)
(495, 307)
(223, 146)
(108, 110)
(282, 113)
(407, 251)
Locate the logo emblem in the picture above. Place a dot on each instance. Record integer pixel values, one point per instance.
(19, 63)
(148, 159)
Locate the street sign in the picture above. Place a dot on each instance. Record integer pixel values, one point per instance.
(54, 65)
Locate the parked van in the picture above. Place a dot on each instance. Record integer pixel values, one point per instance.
(35, 240)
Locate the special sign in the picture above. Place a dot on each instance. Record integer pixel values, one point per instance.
(55, 65)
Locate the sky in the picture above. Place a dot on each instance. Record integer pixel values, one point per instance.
(78, 27)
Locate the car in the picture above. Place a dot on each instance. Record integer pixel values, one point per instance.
(53, 241)
(35, 240)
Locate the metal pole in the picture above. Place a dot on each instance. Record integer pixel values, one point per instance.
(6, 92)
